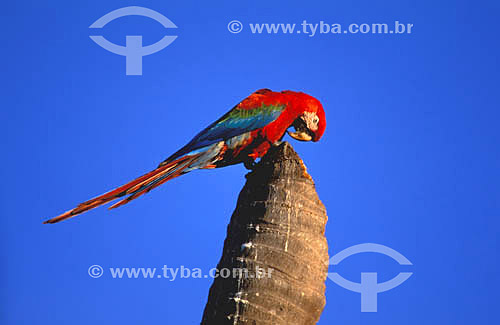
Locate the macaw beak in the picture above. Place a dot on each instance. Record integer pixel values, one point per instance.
(302, 133)
(299, 135)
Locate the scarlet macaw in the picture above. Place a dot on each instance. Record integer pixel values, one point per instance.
(242, 135)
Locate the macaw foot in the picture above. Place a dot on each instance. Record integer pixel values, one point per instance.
(278, 143)
(250, 164)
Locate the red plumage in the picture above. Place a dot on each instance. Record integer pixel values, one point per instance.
(243, 134)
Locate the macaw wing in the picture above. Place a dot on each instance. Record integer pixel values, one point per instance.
(237, 121)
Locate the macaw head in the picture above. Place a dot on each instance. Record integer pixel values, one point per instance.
(310, 122)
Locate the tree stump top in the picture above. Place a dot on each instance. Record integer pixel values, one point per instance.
(277, 230)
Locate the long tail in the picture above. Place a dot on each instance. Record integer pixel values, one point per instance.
(135, 188)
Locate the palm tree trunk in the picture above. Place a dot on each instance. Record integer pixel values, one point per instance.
(275, 257)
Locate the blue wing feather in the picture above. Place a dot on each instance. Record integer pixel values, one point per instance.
(235, 122)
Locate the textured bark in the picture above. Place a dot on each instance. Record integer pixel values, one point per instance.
(278, 225)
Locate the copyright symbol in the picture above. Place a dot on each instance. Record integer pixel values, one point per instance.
(235, 26)
(96, 271)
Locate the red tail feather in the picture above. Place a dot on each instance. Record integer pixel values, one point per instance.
(137, 187)
(148, 187)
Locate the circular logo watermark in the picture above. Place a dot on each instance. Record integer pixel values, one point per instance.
(133, 50)
(235, 26)
(369, 286)
(96, 271)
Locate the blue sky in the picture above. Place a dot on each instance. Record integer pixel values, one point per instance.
(409, 158)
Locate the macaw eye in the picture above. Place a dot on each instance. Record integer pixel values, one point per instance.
(316, 120)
